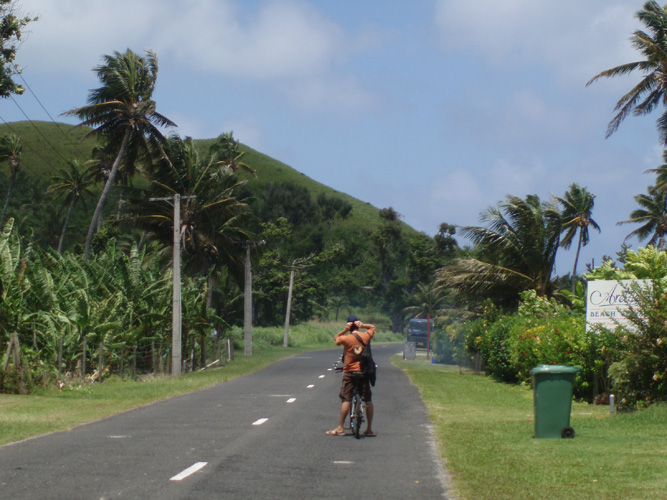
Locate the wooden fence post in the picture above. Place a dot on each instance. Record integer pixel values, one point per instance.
(14, 354)
(122, 361)
(100, 365)
(85, 354)
(134, 362)
(60, 356)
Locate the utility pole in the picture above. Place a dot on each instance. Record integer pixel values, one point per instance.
(247, 304)
(295, 263)
(176, 314)
(289, 305)
(247, 298)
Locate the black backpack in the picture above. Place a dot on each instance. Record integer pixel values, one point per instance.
(368, 366)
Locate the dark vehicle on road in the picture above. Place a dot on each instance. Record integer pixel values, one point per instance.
(418, 330)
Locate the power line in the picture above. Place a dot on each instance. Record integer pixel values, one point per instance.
(39, 131)
(35, 152)
(68, 137)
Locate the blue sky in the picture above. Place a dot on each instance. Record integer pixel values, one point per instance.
(437, 108)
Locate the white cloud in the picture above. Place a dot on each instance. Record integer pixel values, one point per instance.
(283, 41)
(574, 39)
(338, 93)
(457, 197)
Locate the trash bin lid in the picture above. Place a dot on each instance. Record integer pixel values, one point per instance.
(554, 369)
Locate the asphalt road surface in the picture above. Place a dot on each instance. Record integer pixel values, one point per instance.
(261, 436)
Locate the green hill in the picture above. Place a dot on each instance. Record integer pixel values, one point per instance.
(48, 146)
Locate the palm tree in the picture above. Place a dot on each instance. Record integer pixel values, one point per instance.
(10, 150)
(123, 114)
(652, 216)
(212, 216)
(73, 185)
(660, 176)
(516, 252)
(576, 214)
(227, 151)
(426, 299)
(652, 89)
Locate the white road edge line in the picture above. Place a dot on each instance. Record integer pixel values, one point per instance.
(291, 400)
(260, 421)
(189, 471)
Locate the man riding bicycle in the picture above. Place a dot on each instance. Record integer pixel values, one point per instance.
(351, 369)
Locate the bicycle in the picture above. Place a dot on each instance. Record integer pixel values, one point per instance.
(357, 413)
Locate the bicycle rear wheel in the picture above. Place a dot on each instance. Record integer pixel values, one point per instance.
(357, 412)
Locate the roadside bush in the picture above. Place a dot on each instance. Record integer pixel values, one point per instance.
(640, 376)
(543, 332)
(449, 344)
(493, 340)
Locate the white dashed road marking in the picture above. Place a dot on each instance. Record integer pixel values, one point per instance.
(291, 400)
(321, 376)
(260, 421)
(310, 386)
(189, 471)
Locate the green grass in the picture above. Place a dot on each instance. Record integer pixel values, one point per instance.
(311, 335)
(485, 433)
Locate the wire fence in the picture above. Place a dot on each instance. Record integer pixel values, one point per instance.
(87, 361)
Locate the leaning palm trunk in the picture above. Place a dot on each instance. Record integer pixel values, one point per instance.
(9, 195)
(62, 234)
(105, 194)
(576, 261)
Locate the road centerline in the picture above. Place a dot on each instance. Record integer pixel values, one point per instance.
(189, 471)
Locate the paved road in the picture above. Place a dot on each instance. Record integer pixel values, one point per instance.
(152, 452)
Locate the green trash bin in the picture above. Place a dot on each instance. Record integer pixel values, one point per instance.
(552, 399)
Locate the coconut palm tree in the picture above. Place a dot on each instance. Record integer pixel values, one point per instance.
(660, 176)
(651, 91)
(426, 299)
(212, 217)
(122, 113)
(577, 207)
(652, 216)
(73, 185)
(10, 151)
(228, 153)
(516, 251)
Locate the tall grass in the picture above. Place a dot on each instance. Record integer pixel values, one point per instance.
(485, 433)
(314, 334)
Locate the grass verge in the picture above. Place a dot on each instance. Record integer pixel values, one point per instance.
(485, 433)
(51, 410)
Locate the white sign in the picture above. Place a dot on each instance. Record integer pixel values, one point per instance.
(608, 299)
